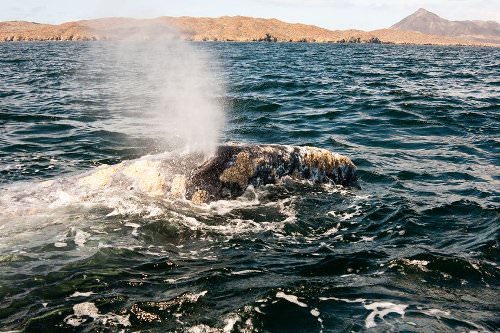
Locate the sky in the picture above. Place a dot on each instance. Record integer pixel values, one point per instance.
(331, 14)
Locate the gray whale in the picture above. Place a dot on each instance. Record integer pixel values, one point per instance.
(173, 175)
(236, 166)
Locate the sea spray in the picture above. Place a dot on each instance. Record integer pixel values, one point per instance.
(147, 84)
(167, 86)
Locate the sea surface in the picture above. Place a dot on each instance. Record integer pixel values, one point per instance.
(414, 249)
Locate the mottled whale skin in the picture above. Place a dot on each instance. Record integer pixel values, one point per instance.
(173, 175)
(236, 166)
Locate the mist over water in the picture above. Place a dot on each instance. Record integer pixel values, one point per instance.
(172, 85)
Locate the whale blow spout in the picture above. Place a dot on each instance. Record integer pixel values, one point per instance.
(234, 167)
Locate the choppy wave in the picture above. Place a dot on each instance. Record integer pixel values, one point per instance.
(415, 249)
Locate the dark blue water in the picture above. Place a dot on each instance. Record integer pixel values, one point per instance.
(415, 249)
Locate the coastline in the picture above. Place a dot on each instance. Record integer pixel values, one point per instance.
(259, 42)
(223, 29)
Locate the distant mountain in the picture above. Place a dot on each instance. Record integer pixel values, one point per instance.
(226, 28)
(429, 23)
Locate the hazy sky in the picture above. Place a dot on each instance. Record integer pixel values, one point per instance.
(333, 14)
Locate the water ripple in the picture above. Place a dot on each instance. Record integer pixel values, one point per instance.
(410, 251)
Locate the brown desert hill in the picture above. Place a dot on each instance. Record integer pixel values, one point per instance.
(30, 31)
(226, 28)
(429, 23)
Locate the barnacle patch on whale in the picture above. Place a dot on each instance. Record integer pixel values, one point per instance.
(241, 171)
(100, 178)
(226, 175)
(146, 176)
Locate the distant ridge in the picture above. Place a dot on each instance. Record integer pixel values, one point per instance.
(429, 23)
(226, 28)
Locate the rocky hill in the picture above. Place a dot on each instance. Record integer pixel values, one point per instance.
(236, 28)
(429, 23)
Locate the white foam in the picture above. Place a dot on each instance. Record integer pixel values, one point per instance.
(291, 298)
(194, 297)
(315, 312)
(344, 216)
(81, 237)
(381, 309)
(82, 294)
(332, 230)
(476, 265)
(135, 227)
(62, 198)
(357, 300)
(86, 309)
(245, 272)
(347, 216)
(172, 281)
(238, 226)
(231, 227)
(230, 321)
(256, 309)
(224, 207)
(82, 311)
(378, 309)
(436, 312)
(229, 325)
(420, 264)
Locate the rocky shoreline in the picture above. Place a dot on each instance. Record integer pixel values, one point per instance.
(226, 29)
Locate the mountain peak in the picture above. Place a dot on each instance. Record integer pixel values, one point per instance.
(429, 23)
(423, 11)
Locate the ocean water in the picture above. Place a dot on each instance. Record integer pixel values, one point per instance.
(415, 249)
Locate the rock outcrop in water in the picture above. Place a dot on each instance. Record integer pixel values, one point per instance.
(226, 28)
